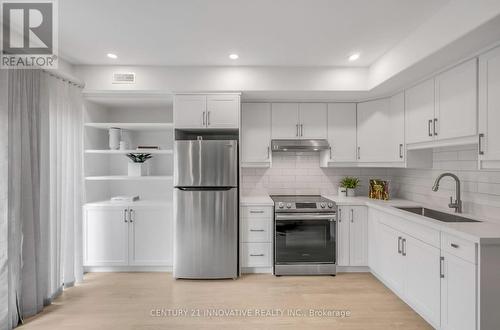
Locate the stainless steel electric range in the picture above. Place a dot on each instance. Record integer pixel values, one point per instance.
(304, 235)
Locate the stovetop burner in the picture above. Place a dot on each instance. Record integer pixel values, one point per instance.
(302, 203)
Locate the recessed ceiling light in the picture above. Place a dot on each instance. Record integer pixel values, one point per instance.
(234, 56)
(113, 56)
(354, 57)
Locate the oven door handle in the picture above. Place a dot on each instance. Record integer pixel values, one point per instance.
(306, 216)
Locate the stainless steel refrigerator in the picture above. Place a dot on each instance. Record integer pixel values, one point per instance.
(206, 209)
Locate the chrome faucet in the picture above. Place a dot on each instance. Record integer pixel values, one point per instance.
(457, 205)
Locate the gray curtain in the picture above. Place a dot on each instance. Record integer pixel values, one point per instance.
(27, 259)
(4, 269)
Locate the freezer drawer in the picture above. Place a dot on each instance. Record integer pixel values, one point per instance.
(206, 163)
(206, 234)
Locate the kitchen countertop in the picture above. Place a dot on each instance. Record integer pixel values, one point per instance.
(484, 232)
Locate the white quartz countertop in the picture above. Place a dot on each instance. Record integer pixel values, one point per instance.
(484, 232)
(263, 200)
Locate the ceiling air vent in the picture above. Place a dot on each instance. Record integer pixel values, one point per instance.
(123, 78)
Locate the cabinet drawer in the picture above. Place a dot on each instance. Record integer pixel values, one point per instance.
(256, 212)
(256, 230)
(256, 254)
(459, 247)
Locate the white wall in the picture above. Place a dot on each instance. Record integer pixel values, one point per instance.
(231, 78)
(299, 173)
(480, 189)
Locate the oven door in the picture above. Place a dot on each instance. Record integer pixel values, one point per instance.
(304, 238)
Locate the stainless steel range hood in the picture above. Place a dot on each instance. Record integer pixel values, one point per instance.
(299, 145)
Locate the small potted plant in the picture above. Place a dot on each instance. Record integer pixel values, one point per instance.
(350, 183)
(137, 166)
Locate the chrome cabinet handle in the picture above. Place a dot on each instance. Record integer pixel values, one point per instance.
(208, 118)
(340, 215)
(401, 150)
(301, 130)
(257, 255)
(455, 246)
(403, 250)
(330, 152)
(429, 127)
(268, 152)
(399, 244)
(352, 215)
(441, 267)
(434, 126)
(261, 211)
(131, 212)
(203, 118)
(125, 215)
(257, 230)
(296, 129)
(481, 151)
(359, 152)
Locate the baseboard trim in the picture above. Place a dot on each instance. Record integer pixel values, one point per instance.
(353, 269)
(128, 269)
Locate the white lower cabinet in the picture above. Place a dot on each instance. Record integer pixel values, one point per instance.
(105, 236)
(256, 237)
(458, 294)
(151, 237)
(438, 280)
(352, 236)
(128, 236)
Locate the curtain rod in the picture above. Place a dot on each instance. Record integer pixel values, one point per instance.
(65, 77)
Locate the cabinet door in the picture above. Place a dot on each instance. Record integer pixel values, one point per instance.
(422, 285)
(151, 236)
(358, 236)
(190, 111)
(343, 236)
(313, 120)
(106, 237)
(419, 106)
(489, 106)
(456, 101)
(396, 142)
(373, 131)
(389, 260)
(342, 131)
(223, 111)
(285, 120)
(458, 294)
(255, 133)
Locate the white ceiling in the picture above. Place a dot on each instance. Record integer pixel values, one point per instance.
(262, 32)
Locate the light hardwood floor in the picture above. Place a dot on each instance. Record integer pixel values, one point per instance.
(126, 300)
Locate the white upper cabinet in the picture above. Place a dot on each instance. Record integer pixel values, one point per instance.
(206, 111)
(223, 111)
(190, 111)
(381, 130)
(342, 132)
(285, 121)
(255, 134)
(489, 109)
(443, 108)
(396, 143)
(312, 117)
(299, 121)
(456, 102)
(419, 105)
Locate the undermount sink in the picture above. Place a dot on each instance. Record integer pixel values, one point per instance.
(437, 215)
